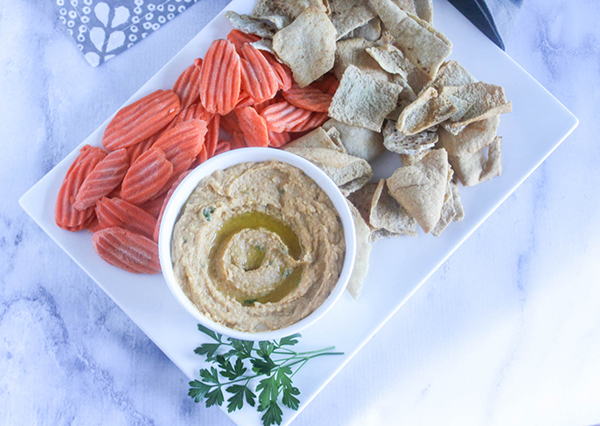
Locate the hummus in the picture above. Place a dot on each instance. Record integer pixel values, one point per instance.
(258, 246)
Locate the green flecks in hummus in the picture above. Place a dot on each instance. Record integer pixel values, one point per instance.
(258, 246)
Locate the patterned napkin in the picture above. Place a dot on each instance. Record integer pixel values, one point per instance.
(105, 28)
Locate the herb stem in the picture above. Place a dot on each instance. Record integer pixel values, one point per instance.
(314, 352)
(298, 369)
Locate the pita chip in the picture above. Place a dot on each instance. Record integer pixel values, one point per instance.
(412, 159)
(407, 5)
(362, 200)
(421, 188)
(348, 15)
(317, 138)
(475, 168)
(451, 73)
(474, 137)
(249, 25)
(307, 46)
(396, 141)
(448, 212)
(362, 100)
(390, 58)
(295, 8)
(265, 44)
(387, 214)
(358, 141)
(352, 52)
(487, 101)
(458, 207)
(349, 173)
(336, 137)
(428, 110)
(371, 31)
(422, 44)
(407, 94)
(268, 10)
(363, 254)
(424, 10)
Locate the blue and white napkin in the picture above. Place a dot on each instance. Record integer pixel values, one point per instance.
(105, 28)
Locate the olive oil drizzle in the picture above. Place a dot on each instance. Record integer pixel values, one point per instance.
(257, 220)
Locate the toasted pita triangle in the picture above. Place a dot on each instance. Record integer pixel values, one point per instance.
(474, 137)
(352, 51)
(371, 31)
(387, 214)
(347, 172)
(473, 169)
(348, 15)
(307, 45)
(362, 100)
(362, 200)
(269, 11)
(424, 10)
(317, 138)
(428, 110)
(249, 25)
(360, 142)
(422, 44)
(487, 100)
(448, 212)
(396, 141)
(363, 254)
(458, 207)
(295, 8)
(451, 73)
(420, 188)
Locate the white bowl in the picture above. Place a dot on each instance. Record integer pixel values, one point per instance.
(221, 162)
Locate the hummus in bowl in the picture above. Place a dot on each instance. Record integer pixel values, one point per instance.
(257, 243)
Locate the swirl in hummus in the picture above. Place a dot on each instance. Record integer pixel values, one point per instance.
(258, 246)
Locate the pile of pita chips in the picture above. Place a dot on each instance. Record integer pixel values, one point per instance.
(398, 92)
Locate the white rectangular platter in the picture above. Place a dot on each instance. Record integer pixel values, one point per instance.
(537, 125)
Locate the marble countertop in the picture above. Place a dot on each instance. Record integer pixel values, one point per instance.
(506, 332)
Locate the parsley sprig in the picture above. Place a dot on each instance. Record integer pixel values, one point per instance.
(273, 365)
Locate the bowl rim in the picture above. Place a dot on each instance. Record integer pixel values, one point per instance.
(221, 162)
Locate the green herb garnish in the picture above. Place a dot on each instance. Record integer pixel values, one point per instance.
(260, 247)
(250, 302)
(207, 212)
(273, 363)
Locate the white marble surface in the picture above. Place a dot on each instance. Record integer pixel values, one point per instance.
(506, 332)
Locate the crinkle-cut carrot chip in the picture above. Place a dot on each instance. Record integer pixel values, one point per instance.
(277, 140)
(117, 212)
(239, 38)
(212, 135)
(127, 250)
(65, 213)
(253, 126)
(221, 78)
(105, 177)
(141, 119)
(283, 116)
(146, 177)
(308, 98)
(182, 144)
(187, 85)
(258, 77)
